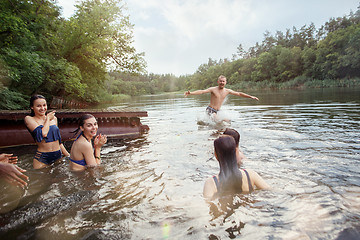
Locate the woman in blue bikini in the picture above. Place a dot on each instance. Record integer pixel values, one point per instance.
(83, 154)
(44, 129)
(231, 179)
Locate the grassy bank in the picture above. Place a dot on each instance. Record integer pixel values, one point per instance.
(115, 98)
(299, 82)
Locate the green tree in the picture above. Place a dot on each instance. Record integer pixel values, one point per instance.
(308, 56)
(337, 53)
(247, 68)
(26, 34)
(289, 64)
(97, 37)
(350, 61)
(265, 67)
(29, 50)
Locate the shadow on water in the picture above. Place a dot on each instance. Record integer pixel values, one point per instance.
(45, 197)
(223, 208)
(26, 218)
(349, 234)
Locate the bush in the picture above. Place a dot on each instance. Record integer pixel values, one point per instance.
(11, 100)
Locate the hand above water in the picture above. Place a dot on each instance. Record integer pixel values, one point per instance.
(100, 140)
(8, 158)
(255, 98)
(13, 174)
(51, 115)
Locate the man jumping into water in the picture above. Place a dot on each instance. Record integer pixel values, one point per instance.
(218, 95)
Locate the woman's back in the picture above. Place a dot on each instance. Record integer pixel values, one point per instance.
(231, 180)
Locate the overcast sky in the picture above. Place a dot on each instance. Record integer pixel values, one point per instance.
(178, 36)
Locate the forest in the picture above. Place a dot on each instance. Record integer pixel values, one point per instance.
(90, 57)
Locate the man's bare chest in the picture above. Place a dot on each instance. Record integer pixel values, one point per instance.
(220, 95)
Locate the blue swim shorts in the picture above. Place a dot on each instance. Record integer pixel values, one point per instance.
(48, 157)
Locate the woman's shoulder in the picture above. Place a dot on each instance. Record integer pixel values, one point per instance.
(252, 173)
(81, 146)
(28, 118)
(81, 141)
(213, 181)
(209, 187)
(257, 179)
(30, 123)
(210, 180)
(248, 170)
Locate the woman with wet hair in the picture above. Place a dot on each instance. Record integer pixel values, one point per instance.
(240, 157)
(231, 179)
(83, 154)
(44, 129)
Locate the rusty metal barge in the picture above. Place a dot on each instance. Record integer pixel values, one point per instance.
(113, 123)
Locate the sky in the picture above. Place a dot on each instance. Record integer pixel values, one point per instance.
(177, 36)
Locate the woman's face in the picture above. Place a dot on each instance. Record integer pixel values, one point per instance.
(90, 127)
(39, 107)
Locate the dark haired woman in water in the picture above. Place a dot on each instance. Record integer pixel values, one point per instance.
(83, 154)
(231, 179)
(44, 129)
(240, 157)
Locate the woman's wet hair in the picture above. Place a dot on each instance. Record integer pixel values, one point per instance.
(82, 120)
(235, 134)
(230, 177)
(32, 100)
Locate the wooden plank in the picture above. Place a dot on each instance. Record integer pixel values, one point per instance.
(16, 134)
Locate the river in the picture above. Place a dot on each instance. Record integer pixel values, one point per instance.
(304, 143)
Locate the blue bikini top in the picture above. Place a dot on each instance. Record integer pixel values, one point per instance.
(52, 136)
(80, 162)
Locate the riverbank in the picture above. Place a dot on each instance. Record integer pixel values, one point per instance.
(108, 98)
(299, 82)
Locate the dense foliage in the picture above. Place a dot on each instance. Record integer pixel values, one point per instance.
(124, 83)
(40, 52)
(90, 57)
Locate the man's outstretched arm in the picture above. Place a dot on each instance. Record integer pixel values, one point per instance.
(241, 94)
(197, 92)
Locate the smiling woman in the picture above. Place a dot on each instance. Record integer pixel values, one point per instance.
(44, 129)
(82, 153)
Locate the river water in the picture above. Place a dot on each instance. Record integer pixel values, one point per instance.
(304, 143)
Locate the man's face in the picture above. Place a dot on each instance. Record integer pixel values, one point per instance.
(222, 83)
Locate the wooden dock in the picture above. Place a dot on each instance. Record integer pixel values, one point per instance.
(112, 122)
